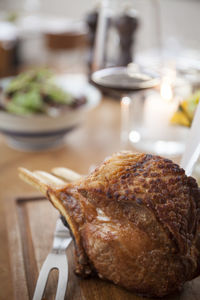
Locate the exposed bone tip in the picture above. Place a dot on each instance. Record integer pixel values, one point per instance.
(66, 174)
(44, 181)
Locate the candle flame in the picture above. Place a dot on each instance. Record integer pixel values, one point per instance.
(166, 90)
(125, 101)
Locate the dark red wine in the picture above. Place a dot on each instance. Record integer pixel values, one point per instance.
(124, 79)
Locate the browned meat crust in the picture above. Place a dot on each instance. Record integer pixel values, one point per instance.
(136, 223)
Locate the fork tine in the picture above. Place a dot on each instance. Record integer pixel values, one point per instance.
(66, 174)
(61, 264)
(42, 279)
(62, 280)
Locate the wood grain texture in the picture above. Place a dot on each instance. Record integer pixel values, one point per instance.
(28, 251)
(36, 223)
(26, 230)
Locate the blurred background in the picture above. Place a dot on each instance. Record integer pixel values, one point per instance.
(36, 21)
(155, 43)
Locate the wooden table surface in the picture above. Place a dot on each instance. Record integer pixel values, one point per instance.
(97, 138)
(89, 144)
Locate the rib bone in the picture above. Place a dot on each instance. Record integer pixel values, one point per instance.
(34, 179)
(50, 179)
(43, 180)
(49, 185)
(66, 174)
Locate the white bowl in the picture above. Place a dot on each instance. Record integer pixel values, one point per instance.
(39, 132)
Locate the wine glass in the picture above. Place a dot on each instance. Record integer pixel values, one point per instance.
(114, 71)
(147, 103)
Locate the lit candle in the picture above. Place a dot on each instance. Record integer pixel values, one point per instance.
(158, 110)
(125, 120)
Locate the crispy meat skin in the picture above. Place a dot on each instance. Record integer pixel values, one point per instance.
(135, 220)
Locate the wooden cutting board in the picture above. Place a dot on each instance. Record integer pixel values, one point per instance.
(31, 224)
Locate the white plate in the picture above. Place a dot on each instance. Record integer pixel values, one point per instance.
(37, 132)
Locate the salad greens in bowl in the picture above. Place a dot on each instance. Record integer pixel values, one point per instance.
(38, 108)
(36, 92)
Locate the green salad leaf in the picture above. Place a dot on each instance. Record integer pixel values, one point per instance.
(25, 102)
(33, 91)
(56, 94)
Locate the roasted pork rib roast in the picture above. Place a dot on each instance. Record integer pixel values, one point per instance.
(135, 221)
